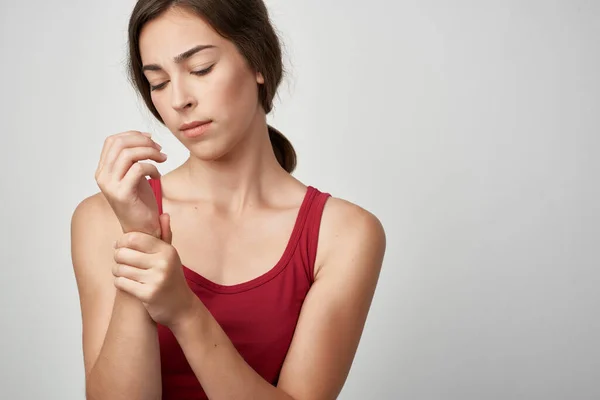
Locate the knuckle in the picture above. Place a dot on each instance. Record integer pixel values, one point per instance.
(147, 295)
(137, 236)
(117, 141)
(133, 238)
(148, 291)
(128, 239)
(136, 168)
(126, 152)
(162, 265)
(120, 282)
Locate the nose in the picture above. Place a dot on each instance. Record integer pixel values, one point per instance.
(182, 97)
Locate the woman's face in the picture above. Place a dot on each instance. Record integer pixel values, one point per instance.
(214, 83)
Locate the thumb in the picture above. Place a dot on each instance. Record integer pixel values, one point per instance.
(165, 228)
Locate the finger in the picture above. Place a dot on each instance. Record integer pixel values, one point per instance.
(112, 147)
(139, 241)
(107, 145)
(133, 258)
(126, 141)
(165, 228)
(110, 141)
(136, 289)
(137, 171)
(130, 272)
(131, 155)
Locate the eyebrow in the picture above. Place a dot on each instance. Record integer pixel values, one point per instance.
(180, 58)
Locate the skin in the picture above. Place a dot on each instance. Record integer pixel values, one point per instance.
(228, 213)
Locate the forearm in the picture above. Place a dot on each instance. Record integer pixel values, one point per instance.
(217, 364)
(128, 366)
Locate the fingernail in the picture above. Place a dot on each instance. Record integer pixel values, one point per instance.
(163, 155)
(147, 134)
(115, 244)
(158, 146)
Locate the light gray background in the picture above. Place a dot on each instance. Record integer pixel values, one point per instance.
(470, 128)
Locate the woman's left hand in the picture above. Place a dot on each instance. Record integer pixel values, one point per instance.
(150, 269)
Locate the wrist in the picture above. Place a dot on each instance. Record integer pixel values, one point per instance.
(153, 230)
(190, 318)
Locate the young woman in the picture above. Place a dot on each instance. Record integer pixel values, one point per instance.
(226, 278)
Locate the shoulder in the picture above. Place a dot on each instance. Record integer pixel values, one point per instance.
(91, 211)
(347, 232)
(350, 251)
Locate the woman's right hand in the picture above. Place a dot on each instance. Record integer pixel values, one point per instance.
(122, 180)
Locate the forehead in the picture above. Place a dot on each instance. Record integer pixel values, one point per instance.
(174, 32)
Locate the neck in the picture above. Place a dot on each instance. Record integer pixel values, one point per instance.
(240, 178)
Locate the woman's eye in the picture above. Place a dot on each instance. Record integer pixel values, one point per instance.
(157, 87)
(199, 73)
(204, 71)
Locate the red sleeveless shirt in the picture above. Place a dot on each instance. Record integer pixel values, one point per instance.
(259, 316)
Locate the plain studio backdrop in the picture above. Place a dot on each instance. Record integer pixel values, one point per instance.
(470, 128)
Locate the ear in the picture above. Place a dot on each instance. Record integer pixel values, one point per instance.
(260, 79)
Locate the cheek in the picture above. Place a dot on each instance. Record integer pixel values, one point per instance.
(162, 106)
(235, 96)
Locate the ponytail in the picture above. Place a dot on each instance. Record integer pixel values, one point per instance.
(284, 151)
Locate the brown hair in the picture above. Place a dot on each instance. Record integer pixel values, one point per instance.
(244, 22)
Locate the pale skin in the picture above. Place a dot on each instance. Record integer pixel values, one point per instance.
(228, 213)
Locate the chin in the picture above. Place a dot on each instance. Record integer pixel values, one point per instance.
(209, 150)
(215, 145)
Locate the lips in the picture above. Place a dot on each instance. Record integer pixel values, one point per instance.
(192, 125)
(196, 130)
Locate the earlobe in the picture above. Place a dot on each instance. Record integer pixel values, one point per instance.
(259, 78)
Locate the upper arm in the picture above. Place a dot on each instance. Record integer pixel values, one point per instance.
(93, 230)
(352, 245)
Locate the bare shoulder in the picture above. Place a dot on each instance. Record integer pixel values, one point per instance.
(93, 217)
(94, 205)
(349, 260)
(350, 231)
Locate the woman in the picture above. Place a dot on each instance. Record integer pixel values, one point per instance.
(226, 278)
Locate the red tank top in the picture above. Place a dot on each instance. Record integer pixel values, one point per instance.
(259, 316)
